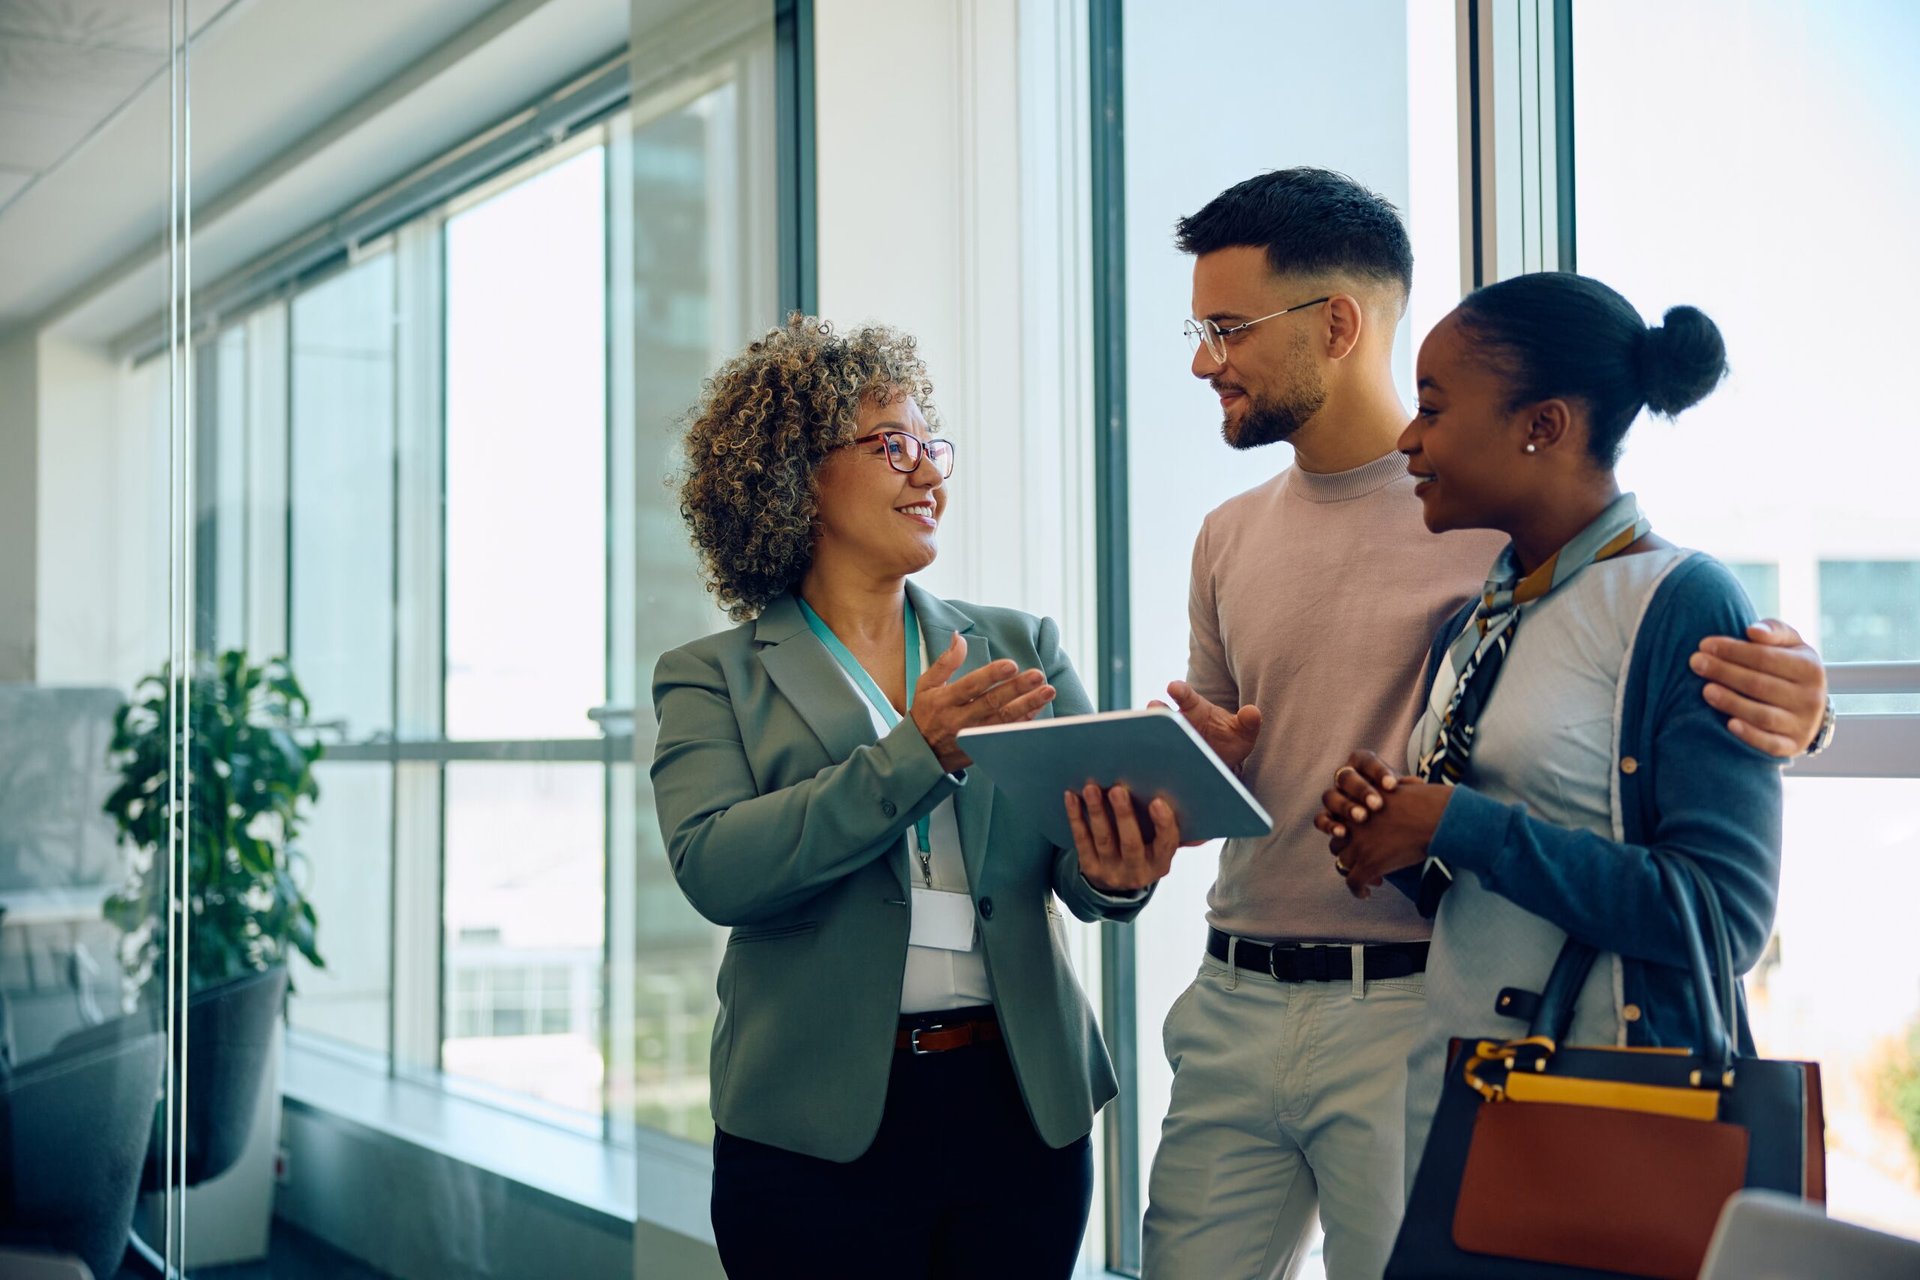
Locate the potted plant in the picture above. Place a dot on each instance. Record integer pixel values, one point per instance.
(249, 786)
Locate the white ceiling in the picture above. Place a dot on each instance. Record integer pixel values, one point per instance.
(65, 67)
(298, 109)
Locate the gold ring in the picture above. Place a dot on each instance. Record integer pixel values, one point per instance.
(1341, 772)
(1341, 867)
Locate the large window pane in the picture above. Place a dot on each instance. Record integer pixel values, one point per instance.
(348, 878)
(1870, 609)
(1719, 190)
(1808, 999)
(526, 457)
(1190, 134)
(525, 928)
(342, 442)
(221, 443)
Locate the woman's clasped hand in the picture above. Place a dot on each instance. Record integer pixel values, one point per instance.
(1377, 822)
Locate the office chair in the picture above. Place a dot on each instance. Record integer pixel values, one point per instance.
(74, 1129)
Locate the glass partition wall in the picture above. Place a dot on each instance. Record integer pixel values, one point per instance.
(103, 875)
(336, 550)
(434, 462)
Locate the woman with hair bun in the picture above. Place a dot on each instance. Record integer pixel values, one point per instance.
(1565, 739)
(905, 1070)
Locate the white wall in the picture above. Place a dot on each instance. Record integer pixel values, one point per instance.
(953, 141)
(83, 514)
(103, 517)
(951, 162)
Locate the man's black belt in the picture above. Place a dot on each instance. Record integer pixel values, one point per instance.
(1319, 962)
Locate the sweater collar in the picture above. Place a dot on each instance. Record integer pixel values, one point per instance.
(1341, 486)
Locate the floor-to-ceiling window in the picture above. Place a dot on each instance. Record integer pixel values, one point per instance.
(526, 653)
(1191, 132)
(1756, 159)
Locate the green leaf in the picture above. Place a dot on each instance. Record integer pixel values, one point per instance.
(250, 783)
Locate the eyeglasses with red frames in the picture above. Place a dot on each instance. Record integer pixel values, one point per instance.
(904, 450)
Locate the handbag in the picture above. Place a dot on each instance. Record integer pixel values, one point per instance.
(1589, 1162)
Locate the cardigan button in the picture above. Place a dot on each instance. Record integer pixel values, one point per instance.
(1630, 1012)
(1629, 765)
(887, 807)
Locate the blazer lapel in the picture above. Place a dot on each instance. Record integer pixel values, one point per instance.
(973, 803)
(806, 674)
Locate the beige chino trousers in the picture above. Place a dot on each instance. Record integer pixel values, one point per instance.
(1287, 1097)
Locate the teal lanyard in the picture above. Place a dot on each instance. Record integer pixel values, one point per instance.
(864, 682)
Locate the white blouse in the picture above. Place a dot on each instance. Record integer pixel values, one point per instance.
(936, 978)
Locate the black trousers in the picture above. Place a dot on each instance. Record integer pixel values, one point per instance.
(957, 1186)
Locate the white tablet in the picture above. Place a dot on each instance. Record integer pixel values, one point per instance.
(1154, 751)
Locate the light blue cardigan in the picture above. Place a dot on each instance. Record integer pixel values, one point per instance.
(1684, 783)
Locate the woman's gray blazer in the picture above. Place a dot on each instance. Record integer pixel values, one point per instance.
(785, 819)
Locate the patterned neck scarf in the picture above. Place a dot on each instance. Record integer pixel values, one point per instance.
(1444, 736)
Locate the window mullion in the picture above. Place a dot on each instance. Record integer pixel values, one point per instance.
(1518, 201)
(417, 648)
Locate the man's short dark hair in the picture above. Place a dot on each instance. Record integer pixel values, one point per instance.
(1308, 221)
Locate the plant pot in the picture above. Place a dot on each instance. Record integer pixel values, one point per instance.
(236, 1034)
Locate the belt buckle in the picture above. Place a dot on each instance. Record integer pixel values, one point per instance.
(913, 1040)
(1298, 968)
(1273, 959)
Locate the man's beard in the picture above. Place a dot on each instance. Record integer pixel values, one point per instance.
(1271, 421)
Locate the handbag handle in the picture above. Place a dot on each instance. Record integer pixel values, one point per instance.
(1714, 987)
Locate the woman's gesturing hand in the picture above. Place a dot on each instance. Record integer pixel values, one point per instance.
(998, 693)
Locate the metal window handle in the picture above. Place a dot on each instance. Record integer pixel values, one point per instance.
(611, 718)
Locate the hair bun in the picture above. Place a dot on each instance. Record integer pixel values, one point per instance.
(1681, 360)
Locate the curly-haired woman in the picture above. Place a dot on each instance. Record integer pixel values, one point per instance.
(905, 1070)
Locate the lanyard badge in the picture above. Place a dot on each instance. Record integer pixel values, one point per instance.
(923, 844)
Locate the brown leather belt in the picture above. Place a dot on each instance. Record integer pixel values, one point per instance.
(940, 1037)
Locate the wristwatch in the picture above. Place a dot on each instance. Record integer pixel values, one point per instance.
(1823, 737)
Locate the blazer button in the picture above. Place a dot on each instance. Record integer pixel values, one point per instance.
(986, 908)
(1630, 1012)
(1629, 765)
(887, 807)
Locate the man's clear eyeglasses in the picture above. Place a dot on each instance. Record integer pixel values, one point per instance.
(904, 450)
(1199, 331)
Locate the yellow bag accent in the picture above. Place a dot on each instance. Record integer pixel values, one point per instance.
(1487, 1052)
(1663, 1100)
(1671, 1051)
